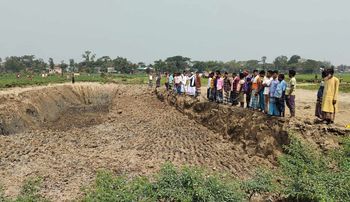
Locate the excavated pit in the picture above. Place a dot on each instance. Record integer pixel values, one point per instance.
(56, 108)
(65, 134)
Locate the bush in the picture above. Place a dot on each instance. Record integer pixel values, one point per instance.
(169, 184)
(29, 193)
(309, 175)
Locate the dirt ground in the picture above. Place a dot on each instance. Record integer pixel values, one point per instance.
(132, 134)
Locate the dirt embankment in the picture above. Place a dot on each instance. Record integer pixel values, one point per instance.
(258, 135)
(56, 107)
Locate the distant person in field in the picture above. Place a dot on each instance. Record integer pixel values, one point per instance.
(266, 90)
(177, 81)
(227, 88)
(183, 82)
(191, 87)
(240, 85)
(330, 97)
(273, 110)
(234, 93)
(171, 81)
(158, 79)
(167, 81)
(73, 78)
(290, 93)
(262, 77)
(219, 88)
(198, 84)
(214, 82)
(247, 87)
(209, 86)
(150, 80)
(256, 83)
(318, 109)
(280, 95)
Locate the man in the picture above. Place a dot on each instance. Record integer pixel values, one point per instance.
(266, 85)
(150, 80)
(240, 96)
(198, 84)
(254, 100)
(227, 88)
(261, 91)
(210, 87)
(273, 110)
(280, 95)
(247, 87)
(290, 93)
(171, 81)
(318, 108)
(330, 97)
(234, 92)
(219, 88)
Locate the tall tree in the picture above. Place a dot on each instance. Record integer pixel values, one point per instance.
(281, 62)
(294, 59)
(178, 63)
(72, 65)
(51, 63)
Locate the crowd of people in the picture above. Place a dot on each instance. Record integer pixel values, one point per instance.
(265, 91)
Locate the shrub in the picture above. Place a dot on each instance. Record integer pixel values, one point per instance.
(170, 184)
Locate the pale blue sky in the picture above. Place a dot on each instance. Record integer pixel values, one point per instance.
(147, 30)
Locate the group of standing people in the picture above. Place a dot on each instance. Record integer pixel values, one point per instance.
(185, 83)
(267, 92)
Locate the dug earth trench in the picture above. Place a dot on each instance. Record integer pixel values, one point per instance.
(65, 134)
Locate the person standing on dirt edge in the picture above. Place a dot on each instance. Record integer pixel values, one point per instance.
(158, 78)
(198, 84)
(290, 93)
(273, 110)
(73, 78)
(256, 83)
(261, 90)
(330, 97)
(227, 88)
(150, 80)
(219, 88)
(318, 108)
(280, 95)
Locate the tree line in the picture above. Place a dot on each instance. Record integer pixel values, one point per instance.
(91, 64)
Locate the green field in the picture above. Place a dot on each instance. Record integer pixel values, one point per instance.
(9, 80)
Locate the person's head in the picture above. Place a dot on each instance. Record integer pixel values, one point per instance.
(324, 74)
(262, 73)
(234, 74)
(292, 73)
(281, 77)
(241, 75)
(218, 72)
(330, 72)
(275, 74)
(197, 73)
(225, 74)
(269, 74)
(255, 72)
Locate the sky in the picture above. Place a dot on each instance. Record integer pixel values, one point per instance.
(148, 30)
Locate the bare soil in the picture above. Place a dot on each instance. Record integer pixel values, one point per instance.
(65, 134)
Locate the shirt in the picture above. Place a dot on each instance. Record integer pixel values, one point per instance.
(292, 82)
(267, 83)
(235, 83)
(227, 84)
(177, 80)
(273, 87)
(240, 85)
(280, 90)
(220, 83)
(209, 82)
(256, 83)
(171, 79)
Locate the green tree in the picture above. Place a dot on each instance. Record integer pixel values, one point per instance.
(160, 66)
(51, 63)
(72, 65)
(14, 64)
(178, 63)
(294, 59)
(281, 62)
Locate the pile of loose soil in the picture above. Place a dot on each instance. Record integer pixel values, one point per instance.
(71, 132)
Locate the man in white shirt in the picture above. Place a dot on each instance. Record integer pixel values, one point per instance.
(267, 83)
